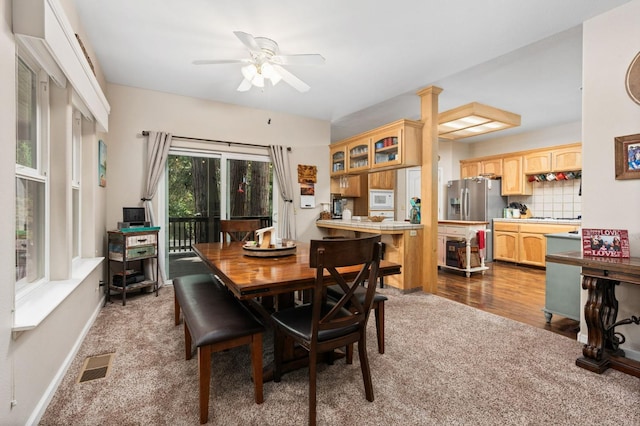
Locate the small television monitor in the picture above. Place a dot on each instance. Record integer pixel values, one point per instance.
(133, 215)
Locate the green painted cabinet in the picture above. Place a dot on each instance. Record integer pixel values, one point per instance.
(562, 291)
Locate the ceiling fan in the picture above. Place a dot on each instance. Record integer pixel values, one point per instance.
(267, 63)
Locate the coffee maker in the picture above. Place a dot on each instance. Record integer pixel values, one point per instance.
(337, 205)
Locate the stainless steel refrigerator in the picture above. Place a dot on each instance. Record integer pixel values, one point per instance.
(476, 199)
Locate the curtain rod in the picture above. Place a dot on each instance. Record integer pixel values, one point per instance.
(146, 133)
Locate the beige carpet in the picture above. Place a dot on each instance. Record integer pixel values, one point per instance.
(446, 363)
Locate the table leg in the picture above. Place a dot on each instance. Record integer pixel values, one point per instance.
(600, 310)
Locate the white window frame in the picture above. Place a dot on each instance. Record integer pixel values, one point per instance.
(76, 185)
(39, 173)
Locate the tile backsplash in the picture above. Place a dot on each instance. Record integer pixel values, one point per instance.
(553, 199)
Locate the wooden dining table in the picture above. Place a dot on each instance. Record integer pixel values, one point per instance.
(255, 279)
(249, 277)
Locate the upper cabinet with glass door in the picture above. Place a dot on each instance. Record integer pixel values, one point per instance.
(392, 146)
(359, 152)
(397, 144)
(338, 154)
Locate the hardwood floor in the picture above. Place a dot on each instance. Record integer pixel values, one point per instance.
(511, 291)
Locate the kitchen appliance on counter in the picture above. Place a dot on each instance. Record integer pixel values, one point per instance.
(337, 206)
(476, 199)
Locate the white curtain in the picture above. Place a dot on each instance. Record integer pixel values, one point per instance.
(280, 159)
(158, 144)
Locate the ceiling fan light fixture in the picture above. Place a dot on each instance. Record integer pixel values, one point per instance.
(268, 71)
(258, 80)
(474, 119)
(249, 71)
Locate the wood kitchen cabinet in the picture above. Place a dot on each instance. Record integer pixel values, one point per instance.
(560, 159)
(532, 248)
(514, 167)
(469, 169)
(382, 180)
(491, 166)
(567, 159)
(473, 168)
(338, 155)
(537, 162)
(348, 186)
(398, 144)
(359, 155)
(392, 146)
(513, 177)
(524, 243)
(505, 241)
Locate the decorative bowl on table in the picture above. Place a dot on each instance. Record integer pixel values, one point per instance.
(254, 250)
(376, 218)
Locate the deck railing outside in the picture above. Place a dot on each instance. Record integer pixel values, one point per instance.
(186, 231)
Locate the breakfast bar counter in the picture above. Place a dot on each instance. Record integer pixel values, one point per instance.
(403, 245)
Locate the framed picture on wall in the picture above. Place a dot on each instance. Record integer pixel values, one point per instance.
(605, 242)
(627, 152)
(102, 163)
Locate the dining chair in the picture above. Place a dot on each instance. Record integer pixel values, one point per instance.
(239, 229)
(324, 325)
(335, 292)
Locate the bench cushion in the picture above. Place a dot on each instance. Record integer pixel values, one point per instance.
(211, 312)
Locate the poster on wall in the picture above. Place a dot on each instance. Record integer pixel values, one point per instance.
(605, 242)
(102, 163)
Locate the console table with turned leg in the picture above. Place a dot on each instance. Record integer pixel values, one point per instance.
(600, 276)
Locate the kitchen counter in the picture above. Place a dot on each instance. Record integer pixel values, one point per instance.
(545, 221)
(462, 222)
(403, 245)
(384, 227)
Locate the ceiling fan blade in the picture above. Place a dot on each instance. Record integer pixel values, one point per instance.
(292, 79)
(244, 86)
(248, 40)
(301, 59)
(219, 61)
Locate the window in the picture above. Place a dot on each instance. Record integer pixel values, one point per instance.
(31, 180)
(76, 155)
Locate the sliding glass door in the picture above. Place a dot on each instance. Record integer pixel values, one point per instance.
(204, 187)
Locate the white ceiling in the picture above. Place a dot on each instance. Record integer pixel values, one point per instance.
(522, 56)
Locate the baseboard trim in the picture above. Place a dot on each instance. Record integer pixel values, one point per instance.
(42, 405)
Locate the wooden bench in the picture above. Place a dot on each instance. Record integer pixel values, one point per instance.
(214, 320)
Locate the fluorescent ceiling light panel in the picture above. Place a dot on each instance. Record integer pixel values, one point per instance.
(474, 119)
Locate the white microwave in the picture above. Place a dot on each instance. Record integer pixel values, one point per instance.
(381, 199)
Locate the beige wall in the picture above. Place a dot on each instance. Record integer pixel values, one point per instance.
(7, 198)
(32, 363)
(610, 43)
(135, 110)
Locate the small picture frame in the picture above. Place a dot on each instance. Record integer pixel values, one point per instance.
(627, 152)
(605, 242)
